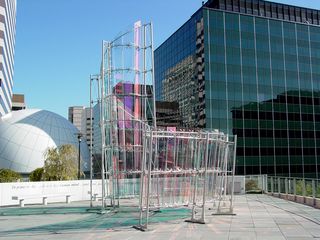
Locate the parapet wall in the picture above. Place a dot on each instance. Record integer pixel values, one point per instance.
(55, 191)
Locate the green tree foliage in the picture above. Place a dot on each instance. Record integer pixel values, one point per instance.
(7, 175)
(61, 163)
(36, 175)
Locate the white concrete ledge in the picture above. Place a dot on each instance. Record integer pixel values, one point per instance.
(310, 201)
(23, 193)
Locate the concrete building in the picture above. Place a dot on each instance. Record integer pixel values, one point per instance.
(80, 117)
(255, 69)
(7, 44)
(75, 116)
(18, 102)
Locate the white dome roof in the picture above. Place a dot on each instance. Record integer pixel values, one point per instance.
(25, 135)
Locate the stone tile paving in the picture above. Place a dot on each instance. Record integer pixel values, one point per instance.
(257, 217)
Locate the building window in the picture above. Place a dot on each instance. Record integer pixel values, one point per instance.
(280, 11)
(315, 17)
(222, 5)
(268, 9)
(274, 10)
(249, 7)
(309, 16)
(291, 14)
(229, 5)
(286, 13)
(303, 16)
(255, 7)
(242, 6)
(261, 9)
(236, 5)
(298, 15)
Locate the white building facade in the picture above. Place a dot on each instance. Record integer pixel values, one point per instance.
(7, 43)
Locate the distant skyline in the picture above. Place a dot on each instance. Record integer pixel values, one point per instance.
(58, 42)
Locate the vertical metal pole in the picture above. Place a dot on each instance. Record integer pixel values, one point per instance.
(79, 162)
(111, 105)
(233, 171)
(205, 178)
(314, 192)
(153, 95)
(142, 175)
(272, 185)
(102, 124)
(167, 152)
(174, 177)
(216, 165)
(195, 184)
(173, 167)
(192, 154)
(153, 80)
(279, 185)
(303, 187)
(226, 167)
(91, 129)
(156, 166)
(149, 178)
(313, 188)
(144, 73)
(221, 166)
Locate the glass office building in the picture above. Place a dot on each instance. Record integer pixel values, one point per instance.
(256, 74)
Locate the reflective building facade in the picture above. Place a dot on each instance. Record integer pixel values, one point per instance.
(7, 42)
(257, 76)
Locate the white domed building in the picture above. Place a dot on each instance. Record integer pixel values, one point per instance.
(25, 136)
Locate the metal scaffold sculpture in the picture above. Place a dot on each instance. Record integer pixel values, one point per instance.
(160, 168)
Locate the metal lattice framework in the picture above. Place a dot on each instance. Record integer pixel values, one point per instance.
(186, 169)
(159, 168)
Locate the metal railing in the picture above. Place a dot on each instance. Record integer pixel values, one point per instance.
(301, 190)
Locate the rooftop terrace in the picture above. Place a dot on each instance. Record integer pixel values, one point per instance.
(257, 217)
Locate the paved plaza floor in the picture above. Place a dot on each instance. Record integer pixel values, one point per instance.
(257, 217)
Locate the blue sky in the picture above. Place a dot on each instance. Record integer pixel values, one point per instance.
(58, 42)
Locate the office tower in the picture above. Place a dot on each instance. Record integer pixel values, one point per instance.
(254, 68)
(7, 43)
(80, 117)
(18, 102)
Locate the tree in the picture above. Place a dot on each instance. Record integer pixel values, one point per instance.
(61, 163)
(7, 175)
(36, 175)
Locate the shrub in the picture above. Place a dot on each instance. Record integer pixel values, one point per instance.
(36, 175)
(252, 187)
(7, 175)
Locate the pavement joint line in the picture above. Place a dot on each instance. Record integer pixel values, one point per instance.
(289, 211)
(257, 211)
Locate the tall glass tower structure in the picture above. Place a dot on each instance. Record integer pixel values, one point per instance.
(254, 73)
(7, 43)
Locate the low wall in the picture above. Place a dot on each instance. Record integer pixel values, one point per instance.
(313, 202)
(239, 184)
(56, 191)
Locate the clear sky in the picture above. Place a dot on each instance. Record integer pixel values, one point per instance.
(58, 42)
